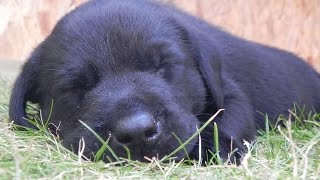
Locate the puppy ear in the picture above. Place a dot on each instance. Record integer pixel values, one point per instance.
(24, 89)
(208, 58)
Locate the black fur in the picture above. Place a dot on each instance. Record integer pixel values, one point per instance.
(137, 72)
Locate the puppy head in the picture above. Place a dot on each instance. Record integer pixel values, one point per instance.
(130, 75)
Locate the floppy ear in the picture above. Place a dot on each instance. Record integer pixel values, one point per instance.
(208, 58)
(25, 89)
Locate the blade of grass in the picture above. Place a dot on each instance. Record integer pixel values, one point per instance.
(184, 149)
(128, 152)
(100, 152)
(101, 141)
(216, 142)
(50, 113)
(193, 136)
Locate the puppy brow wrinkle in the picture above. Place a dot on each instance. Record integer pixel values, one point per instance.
(138, 71)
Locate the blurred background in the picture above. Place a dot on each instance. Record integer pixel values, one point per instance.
(293, 25)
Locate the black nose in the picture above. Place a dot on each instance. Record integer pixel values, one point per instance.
(138, 128)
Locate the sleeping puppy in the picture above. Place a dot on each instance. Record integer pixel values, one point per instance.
(140, 73)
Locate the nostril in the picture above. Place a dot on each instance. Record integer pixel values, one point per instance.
(151, 132)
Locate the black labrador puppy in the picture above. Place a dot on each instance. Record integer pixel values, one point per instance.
(142, 74)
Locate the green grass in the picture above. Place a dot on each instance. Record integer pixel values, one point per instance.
(279, 153)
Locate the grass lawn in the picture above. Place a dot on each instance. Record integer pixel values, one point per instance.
(280, 153)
